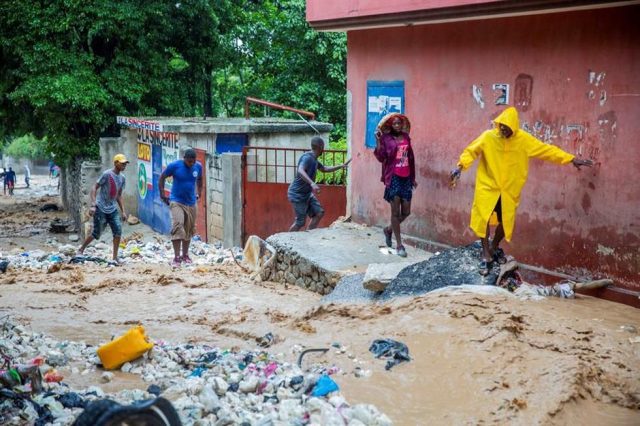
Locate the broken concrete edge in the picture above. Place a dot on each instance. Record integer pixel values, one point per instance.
(379, 275)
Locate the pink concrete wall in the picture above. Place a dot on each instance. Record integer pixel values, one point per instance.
(319, 10)
(583, 69)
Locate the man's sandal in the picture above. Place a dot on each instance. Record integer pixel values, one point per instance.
(499, 256)
(484, 267)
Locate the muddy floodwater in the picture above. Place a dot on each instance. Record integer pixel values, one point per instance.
(476, 359)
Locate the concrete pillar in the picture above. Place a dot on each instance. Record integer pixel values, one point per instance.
(232, 199)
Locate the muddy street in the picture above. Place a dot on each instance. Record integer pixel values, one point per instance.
(475, 358)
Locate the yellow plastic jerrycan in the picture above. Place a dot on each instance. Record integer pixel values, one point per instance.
(125, 348)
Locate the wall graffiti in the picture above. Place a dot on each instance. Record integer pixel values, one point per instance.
(476, 91)
(587, 138)
(607, 128)
(596, 87)
(502, 93)
(523, 92)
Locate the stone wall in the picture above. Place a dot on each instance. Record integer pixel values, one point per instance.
(289, 267)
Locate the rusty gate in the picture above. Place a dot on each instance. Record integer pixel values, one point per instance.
(266, 175)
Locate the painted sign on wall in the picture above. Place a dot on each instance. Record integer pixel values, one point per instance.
(168, 143)
(136, 123)
(383, 97)
(145, 183)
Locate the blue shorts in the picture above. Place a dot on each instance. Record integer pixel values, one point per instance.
(309, 208)
(400, 187)
(101, 219)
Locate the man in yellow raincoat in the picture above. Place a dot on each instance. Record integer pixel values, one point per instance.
(502, 173)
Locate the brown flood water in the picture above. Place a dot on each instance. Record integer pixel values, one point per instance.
(475, 359)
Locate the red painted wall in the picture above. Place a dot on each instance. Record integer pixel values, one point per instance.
(567, 219)
(267, 210)
(320, 10)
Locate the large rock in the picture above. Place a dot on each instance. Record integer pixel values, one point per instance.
(378, 275)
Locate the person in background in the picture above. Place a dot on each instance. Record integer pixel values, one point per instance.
(106, 197)
(27, 175)
(10, 180)
(187, 176)
(394, 151)
(302, 190)
(504, 153)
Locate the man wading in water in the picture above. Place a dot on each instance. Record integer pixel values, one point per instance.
(502, 173)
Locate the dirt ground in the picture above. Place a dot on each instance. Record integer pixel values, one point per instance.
(476, 359)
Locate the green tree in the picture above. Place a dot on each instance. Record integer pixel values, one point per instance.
(27, 146)
(72, 65)
(272, 53)
(68, 67)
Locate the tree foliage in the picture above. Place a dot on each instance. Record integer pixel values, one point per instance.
(27, 146)
(274, 54)
(68, 67)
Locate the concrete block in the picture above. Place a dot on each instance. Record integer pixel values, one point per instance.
(324, 256)
(378, 275)
(216, 197)
(217, 221)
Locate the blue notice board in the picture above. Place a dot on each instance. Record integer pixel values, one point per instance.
(230, 142)
(383, 97)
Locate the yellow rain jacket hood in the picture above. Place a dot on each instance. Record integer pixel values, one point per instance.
(503, 170)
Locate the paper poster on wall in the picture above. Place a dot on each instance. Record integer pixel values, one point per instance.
(145, 175)
(383, 97)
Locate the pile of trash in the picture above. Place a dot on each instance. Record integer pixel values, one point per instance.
(205, 385)
(132, 250)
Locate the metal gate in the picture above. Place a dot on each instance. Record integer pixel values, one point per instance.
(266, 175)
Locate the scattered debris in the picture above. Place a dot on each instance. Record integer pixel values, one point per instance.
(266, 340)
(230, 387)
(393, 351)
(4, 264)
(49, 207)
(59, 226)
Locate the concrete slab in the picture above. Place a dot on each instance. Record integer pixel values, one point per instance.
(318, 259)
(378, 275)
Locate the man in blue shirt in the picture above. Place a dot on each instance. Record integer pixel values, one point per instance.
(302, 189)
(10, 180)
(186, 174)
